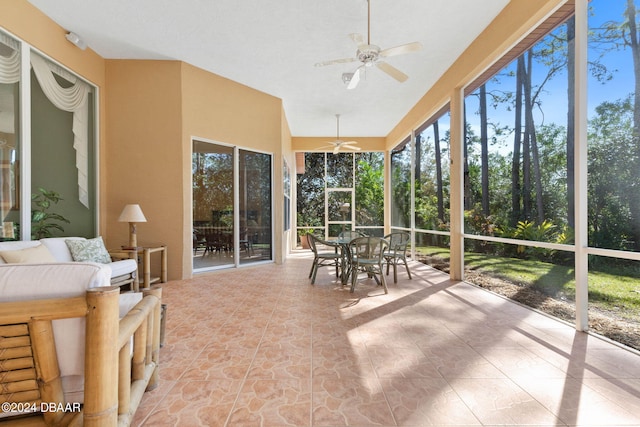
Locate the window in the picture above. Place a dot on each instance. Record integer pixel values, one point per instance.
(9, 138)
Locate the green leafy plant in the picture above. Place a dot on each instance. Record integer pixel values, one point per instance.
(43, 222)
(304, 231)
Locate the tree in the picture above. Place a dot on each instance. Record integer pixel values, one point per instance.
(310, 192)
(438, 156)
(484, 148)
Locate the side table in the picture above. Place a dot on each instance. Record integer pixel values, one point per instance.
(143, 254)
(146, 265)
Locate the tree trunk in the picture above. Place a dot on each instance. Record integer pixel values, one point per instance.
(418, 166)
(533, 142)
(571, 90)
(517, 142)
(439, 192)
(484, 144)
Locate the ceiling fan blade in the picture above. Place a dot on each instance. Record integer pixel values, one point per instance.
(336, 149)
(399, 50)
(357, 39)
(349, 147)
(349, 142)
(336, 61)
(324, 147)
(392, 71)
(355, 79)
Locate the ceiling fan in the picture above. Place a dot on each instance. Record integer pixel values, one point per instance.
(370, 55)
(339, 144)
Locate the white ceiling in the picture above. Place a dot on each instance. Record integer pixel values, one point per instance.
(272, 46)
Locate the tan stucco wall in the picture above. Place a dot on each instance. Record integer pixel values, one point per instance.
(218, 109)
(285, 243)
(144, 155)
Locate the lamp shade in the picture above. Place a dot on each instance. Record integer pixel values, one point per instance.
(132, 213)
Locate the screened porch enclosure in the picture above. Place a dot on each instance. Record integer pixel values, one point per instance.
(529, 174)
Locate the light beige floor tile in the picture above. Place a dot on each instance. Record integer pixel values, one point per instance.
(261, 346)
(500, 401)
(426, 402)
(577, 404)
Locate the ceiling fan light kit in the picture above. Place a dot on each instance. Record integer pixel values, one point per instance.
(369, 55)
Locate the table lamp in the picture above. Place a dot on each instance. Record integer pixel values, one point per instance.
(132, 214)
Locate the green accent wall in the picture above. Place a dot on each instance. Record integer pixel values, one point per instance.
(53, 162)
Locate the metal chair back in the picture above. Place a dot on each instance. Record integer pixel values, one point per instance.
(367, 254)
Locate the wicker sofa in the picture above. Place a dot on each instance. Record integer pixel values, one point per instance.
(71, 341)
(124, 272)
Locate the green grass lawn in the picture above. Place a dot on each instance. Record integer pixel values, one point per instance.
(618, 293)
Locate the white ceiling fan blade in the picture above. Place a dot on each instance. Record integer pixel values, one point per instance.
(357, 39)
(325, 147)
(392, 71)
(336, 149)
(350, 147)
(355, 79)
(336, 61)
(399, 50)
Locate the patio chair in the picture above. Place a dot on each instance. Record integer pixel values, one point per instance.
(367, 256)
(323, 257)
(397, 252)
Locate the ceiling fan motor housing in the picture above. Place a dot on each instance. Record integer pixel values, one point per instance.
(368, 54)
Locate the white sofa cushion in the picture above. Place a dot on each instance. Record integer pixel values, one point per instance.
(123, 267)
(58, 247)
(19, 282)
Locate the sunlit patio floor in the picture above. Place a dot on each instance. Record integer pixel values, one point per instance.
(261, 346)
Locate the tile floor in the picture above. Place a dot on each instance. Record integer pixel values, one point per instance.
(260, 346)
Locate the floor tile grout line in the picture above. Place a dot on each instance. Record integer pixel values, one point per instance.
(255, 353)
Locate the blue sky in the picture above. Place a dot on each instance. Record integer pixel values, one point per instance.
(554, 97)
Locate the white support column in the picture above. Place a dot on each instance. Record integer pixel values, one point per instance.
(456, 264)
(25, 142)
(580, 166)
(387, 191)
(412, 196)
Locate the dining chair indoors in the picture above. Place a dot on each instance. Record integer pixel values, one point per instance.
(325, 254)
(397, 253)
(367, 256)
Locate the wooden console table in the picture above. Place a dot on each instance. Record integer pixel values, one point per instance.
(143, 255)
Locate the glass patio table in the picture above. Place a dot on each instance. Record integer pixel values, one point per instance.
(345, 263)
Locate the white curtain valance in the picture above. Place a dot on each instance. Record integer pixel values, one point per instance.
(72, 99)
(10, 68)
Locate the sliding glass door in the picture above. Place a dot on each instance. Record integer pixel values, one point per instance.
(232, 206)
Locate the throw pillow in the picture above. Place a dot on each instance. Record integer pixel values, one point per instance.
(36, 254)
(89, 250)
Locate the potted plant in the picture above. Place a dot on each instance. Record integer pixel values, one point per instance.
(302, 234)
(44, 222)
